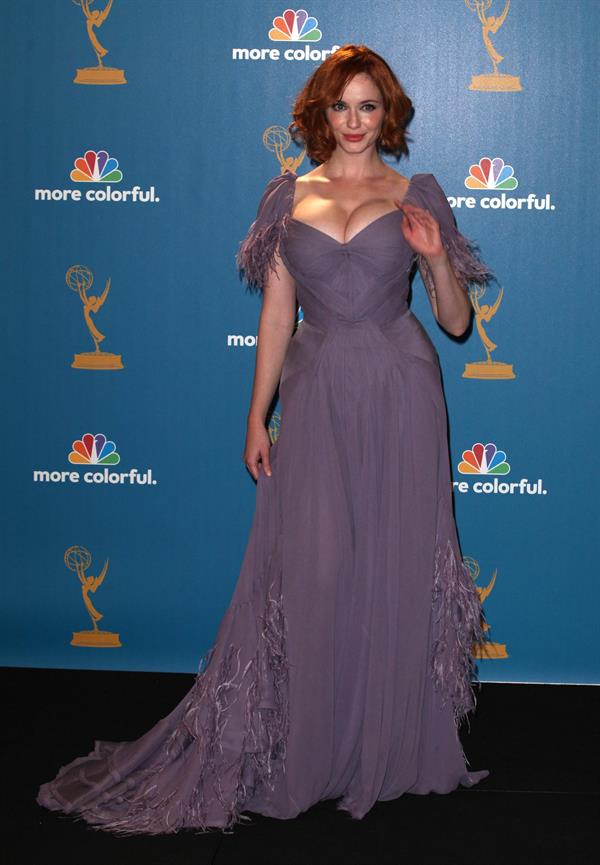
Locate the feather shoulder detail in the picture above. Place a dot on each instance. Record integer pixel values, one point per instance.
(463, 253)
(256, 253)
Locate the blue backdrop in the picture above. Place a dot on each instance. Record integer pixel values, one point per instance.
(195, 87)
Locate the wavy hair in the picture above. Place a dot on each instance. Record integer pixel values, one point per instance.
(325, 87)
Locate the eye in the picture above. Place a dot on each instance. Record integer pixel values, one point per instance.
(368, 106)
(338, 106)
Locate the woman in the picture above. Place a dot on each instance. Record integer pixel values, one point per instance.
(343, 665)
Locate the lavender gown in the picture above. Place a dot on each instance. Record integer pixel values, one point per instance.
(342, 668)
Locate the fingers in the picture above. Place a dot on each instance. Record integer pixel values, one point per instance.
(409, 220)
(253, 469)
(415, 217)
(266, 466)
(413, 210)
(253, 464)
(407, 206)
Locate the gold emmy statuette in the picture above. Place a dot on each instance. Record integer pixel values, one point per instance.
(99, 74)
(486, 369)
(495, 82)
(277, 139)
(487, 649)
(78, 559)
(274, 426)
(80, 279)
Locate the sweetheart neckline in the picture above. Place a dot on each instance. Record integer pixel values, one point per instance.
(354, 236)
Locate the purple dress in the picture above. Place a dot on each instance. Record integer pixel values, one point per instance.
(342, 668)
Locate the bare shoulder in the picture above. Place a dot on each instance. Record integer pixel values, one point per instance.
(308, 183)
(310, 177)
(397, 183)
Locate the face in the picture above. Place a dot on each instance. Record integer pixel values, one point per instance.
(356, 119)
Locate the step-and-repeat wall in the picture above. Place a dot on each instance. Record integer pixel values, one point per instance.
(138, 138)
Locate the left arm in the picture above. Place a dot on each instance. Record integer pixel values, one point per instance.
(448, 261)
(448, 297)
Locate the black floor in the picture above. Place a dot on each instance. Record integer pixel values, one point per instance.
(540, 803)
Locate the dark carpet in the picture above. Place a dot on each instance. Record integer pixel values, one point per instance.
(540, 803)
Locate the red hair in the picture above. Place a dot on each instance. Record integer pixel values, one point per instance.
(325, 87)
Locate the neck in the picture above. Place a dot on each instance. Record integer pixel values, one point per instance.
(350, 166)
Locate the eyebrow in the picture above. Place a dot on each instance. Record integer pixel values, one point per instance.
(362, 101)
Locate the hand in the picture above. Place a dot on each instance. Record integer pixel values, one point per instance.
(421, 231)
(257, 447)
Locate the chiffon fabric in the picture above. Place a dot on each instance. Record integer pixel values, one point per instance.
(343, 667)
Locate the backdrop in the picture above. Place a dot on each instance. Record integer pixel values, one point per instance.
(138, 137)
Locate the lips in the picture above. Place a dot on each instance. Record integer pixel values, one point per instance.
(354, 137)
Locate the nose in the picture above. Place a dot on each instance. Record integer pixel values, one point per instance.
(353, 119)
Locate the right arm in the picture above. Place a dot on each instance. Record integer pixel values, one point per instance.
(275, 330)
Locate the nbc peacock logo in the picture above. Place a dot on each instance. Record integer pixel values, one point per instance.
(98, 170)
(292, 25)
(295, 26)
(96, 167)
(94, 450)
(488, 459)
(484, 460)
(491, 174)
(98, 453)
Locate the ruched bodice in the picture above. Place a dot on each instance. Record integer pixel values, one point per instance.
(364, 278)
(353, 294)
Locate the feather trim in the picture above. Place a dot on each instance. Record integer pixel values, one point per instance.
(464, 258)
(192, 778)
(458, 624)
(256, 253)
(256, 256)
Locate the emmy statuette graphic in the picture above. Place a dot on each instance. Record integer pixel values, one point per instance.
(495, 81)
(100, 74)
(78, 559)
(486, 649)
(486, 369)
(277, 139)
(80, 280)
(274, 426)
